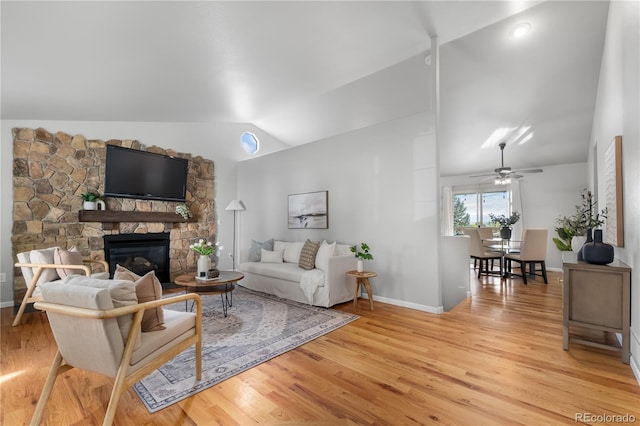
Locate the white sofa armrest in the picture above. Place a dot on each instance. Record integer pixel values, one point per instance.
(336, 277)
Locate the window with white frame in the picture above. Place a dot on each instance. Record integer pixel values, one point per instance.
(471, 207)
(249, 143)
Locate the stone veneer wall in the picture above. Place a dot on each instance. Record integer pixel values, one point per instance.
(50, 171)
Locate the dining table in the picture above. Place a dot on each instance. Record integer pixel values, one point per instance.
(502, 246)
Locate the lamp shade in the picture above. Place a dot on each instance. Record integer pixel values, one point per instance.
(235, 205)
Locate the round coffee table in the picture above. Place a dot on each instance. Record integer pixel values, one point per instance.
(223, 285)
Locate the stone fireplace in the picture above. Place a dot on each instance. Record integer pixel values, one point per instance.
(51, 170)
(139, 253)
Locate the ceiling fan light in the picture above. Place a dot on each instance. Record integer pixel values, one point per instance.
(520, 30)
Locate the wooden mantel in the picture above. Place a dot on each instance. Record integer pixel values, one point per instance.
(109, 217)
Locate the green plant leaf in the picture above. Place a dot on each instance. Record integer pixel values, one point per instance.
(561, 245)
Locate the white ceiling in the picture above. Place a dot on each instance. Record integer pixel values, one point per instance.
(303, 71)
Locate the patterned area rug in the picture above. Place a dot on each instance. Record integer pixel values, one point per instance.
(258, 327)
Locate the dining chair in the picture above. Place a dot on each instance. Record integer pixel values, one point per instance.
(480, 254)
(533, 251)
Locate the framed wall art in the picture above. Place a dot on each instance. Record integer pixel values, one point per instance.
(613, 226)
(309, 210)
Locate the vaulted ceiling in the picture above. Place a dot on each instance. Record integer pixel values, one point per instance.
(304, 71)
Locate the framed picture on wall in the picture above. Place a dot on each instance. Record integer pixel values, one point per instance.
(309, 210)
(614, 225)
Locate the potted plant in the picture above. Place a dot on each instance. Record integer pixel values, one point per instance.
(362, 254)
(204, 265)
(573, 229)
(183, 210)
(505, 223)
(90, 200)
(565, 232)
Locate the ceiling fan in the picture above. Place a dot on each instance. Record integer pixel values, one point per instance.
(503, 175)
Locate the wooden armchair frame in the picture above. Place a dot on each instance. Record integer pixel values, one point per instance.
(122, 380)
(38, 268)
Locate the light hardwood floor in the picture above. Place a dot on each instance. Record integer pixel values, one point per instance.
(496, 359)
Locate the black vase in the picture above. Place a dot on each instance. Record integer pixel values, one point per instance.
(505, 233)
(596, 251)
(580, 254)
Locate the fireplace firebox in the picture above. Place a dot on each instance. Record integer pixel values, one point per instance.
(140, 253)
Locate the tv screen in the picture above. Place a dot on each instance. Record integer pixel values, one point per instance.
(138, 174)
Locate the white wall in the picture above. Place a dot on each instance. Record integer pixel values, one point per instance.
(545, 196)
(618, 113)
(221, 144)
(382, 184)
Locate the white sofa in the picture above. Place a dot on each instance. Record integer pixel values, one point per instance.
(325, 285)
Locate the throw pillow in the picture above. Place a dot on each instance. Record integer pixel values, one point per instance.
(44, 256)
(122, 273)
(308, 254)
(267, 256)
(256, 246)
(292, 252)
(67, 257)
(324, 253)
(148, 288)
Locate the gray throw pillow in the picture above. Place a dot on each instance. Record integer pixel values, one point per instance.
(255, 253)
(308, 255)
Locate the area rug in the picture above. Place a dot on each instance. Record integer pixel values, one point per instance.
(258, 328)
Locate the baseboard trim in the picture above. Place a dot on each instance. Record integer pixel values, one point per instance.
(635, 368)
(424, 308)
(8, 304)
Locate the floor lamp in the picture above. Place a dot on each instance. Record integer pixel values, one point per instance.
(235, 206)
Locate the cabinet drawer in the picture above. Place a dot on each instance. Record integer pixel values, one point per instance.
(596, 298)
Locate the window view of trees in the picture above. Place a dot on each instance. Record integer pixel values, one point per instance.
(473, 209)
(460, 216)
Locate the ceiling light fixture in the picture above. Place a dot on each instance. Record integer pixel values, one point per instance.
(520, 30)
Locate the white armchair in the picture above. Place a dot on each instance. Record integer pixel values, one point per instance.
(39, 266)
(93, 335)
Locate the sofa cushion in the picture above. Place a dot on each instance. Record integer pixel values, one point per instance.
(67, 257)
(178, 323)
(274, 256)
(324, 253)
(148, 288)
(308, 254)
(292, 253)
(284, 271)
(256, 246)
(291, 250)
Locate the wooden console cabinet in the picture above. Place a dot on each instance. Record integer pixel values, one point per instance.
(597, 297)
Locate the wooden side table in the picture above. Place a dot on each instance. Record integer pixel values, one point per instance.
(362, 278)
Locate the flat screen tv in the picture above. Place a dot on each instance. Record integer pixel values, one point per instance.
(138, 174)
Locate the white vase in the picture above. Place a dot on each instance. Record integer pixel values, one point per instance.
(577, 242)
(89, 205)
(204, 264)
(360, 266)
